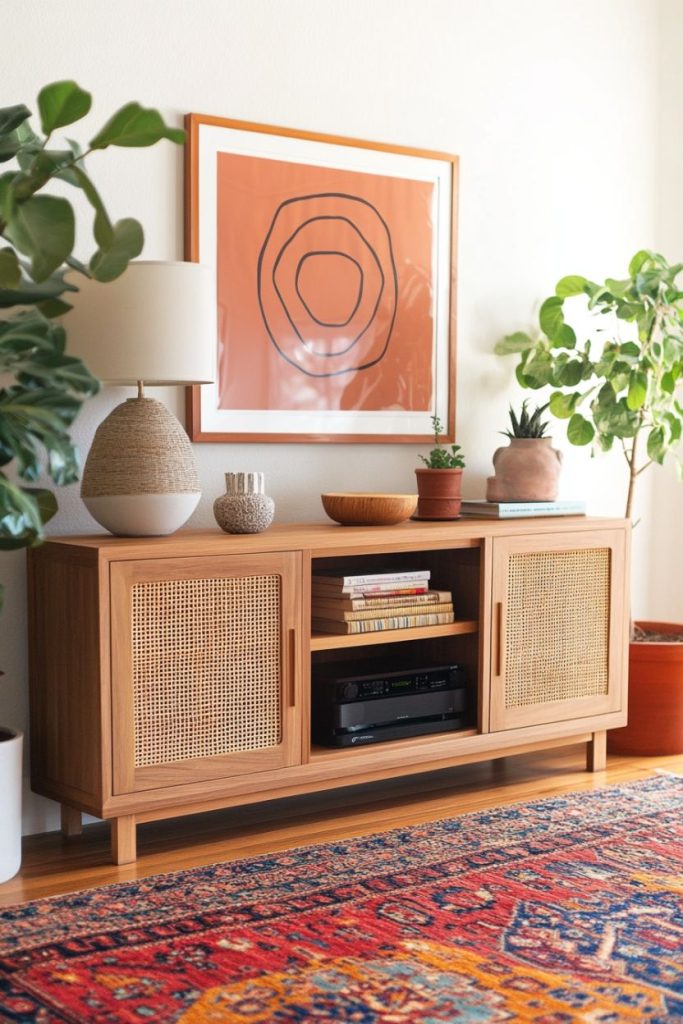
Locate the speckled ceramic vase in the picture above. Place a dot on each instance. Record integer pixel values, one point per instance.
(244, 508)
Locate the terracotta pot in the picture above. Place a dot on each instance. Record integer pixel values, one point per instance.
(528, 469)
(655, 697)
(438, 493)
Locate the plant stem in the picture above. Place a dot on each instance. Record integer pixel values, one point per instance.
(632, 475)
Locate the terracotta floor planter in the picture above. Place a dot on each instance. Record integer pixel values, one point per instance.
(655, 697)
(438, 493)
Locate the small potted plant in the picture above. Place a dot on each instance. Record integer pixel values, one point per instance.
(624, 393)
(528, 469)
(44, 387)
(439, 484)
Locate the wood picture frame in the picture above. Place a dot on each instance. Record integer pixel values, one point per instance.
(335, 270)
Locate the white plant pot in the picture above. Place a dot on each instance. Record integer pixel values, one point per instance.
(10, 802)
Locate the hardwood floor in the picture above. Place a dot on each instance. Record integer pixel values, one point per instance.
(55, 865)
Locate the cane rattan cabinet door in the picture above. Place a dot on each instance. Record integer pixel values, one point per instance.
(205, 663)
(558, 627)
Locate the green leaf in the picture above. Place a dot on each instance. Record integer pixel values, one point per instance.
(600, 297)
(566, 337)
(656, 445)
(551, 316)
(43, 227)
(571, 373)
(628, 310)
(675, 426)
(605, 441)
(62, 103)
(134, 125)
(564, 406)
(52, 308)
(10, 271)
(618, 289)
(103, 230)
(538, 369)
(612, 415)
(668, 383)
(12, 117)
(573, 284)
(629, 348)
(637, 390)
(45, 500)
(517, 342)
(638, 261)
(29, 294)
(20, 520)
(579, 430)
(126, 243)
(22, 140)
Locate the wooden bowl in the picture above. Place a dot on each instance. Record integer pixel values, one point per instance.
(369, 509)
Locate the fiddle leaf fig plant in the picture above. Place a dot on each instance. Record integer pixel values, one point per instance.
(44, 387)
(622, 383)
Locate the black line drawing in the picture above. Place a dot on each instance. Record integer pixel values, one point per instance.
(297, 276)
(367, 347)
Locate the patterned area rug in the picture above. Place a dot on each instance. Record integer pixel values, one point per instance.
(558, 911)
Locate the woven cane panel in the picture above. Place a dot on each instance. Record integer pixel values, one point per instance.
(557, 626)
(206, 667)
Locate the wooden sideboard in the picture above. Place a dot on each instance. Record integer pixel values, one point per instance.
(172, 675)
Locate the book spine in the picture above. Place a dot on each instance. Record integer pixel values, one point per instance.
(512, 509)
(386, 590)
(555, 510)
(375, 578)
(375, 625)
(408, 610)
(377, 603)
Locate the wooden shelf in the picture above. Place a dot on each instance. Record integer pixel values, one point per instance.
(332, 641)
(412, 743)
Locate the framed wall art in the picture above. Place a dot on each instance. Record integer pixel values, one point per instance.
(334, 265)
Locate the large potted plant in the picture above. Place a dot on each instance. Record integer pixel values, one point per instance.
(622, 391)
(439, 484)
(44, 387)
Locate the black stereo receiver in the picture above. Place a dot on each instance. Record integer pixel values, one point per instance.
(360, 709)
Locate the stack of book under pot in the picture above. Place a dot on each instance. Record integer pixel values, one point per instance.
(381, 600)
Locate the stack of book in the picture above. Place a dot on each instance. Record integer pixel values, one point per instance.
(521, 509)
(382, 600)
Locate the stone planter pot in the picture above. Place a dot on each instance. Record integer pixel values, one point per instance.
(11, 741)
(655, 697)
(438, 493)
(528, 469)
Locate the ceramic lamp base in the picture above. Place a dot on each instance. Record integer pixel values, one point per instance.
(142, 515)
(140, 477)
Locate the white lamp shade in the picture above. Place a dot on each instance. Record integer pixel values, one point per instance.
(155, 323)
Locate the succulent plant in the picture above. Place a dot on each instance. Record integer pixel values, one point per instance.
(527, 424)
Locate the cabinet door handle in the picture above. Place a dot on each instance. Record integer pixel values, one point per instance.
(292, 667)
(499, 638)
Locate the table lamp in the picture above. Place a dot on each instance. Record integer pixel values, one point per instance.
(153, 325)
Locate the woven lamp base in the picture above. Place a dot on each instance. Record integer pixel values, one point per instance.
(140, 477)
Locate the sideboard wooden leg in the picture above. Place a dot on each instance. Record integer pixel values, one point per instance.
(596, 752)
(72, 823)
(123, 844)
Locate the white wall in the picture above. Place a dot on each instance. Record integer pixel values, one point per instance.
(550, 106)
(665, 579)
